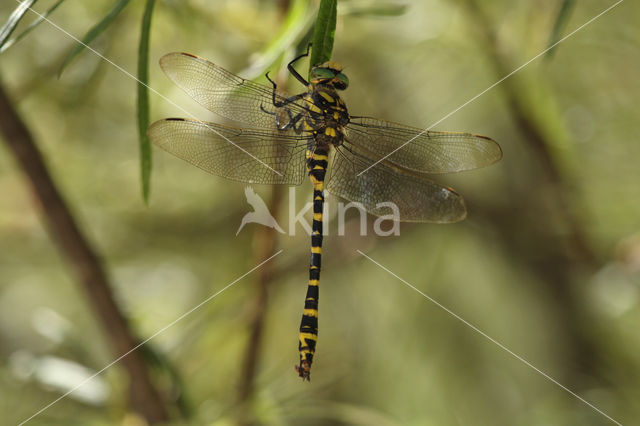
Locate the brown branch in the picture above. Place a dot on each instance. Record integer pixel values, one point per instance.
(265, 240)
(64, 231)
(265, 246)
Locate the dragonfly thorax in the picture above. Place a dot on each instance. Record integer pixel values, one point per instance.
(327, 115)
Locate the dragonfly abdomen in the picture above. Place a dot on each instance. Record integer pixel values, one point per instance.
(317, 161)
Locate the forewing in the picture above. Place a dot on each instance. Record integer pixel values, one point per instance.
(245, 155)
(225, 93)
(417, 198)
(418, 150)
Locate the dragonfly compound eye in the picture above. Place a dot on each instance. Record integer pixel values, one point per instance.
(341, 81)
(321, 75)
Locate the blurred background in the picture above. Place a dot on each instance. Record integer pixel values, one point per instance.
(547, 262)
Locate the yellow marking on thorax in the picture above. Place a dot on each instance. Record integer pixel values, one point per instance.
(339, 106)
(327, 96)
(312, 106)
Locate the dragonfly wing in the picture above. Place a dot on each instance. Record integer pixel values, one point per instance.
(417, 198)
(419, 150)
(225, 93)
(245, 155)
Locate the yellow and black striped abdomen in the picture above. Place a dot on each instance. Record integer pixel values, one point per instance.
(317, 166)
(325, 120)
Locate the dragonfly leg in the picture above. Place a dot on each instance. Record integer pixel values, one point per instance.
(293, 71)
(299, 126)
(293, 120)
(287, 101)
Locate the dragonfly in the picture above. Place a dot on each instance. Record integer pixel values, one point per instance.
(285, 137)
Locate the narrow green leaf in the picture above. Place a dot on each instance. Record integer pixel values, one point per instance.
(93, 33)
(143, 100)
(31, 26)
(14, 19)
(324, 32)
(561, 22)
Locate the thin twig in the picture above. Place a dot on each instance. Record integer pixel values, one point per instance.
(265, 243)
(265, 240)
(85, 264)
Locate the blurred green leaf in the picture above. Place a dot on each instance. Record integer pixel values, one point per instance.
(14, 19)
(374, 8)
(561, 22)
(296, 22)
(324, 32)
(143, 100)
(304, 41)
(93, 33)
(31, 26)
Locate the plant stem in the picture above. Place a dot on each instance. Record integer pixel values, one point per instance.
(265, 240)
(82, 259)
(265, 245)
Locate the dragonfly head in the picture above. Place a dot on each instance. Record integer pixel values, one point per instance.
(329, 73)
